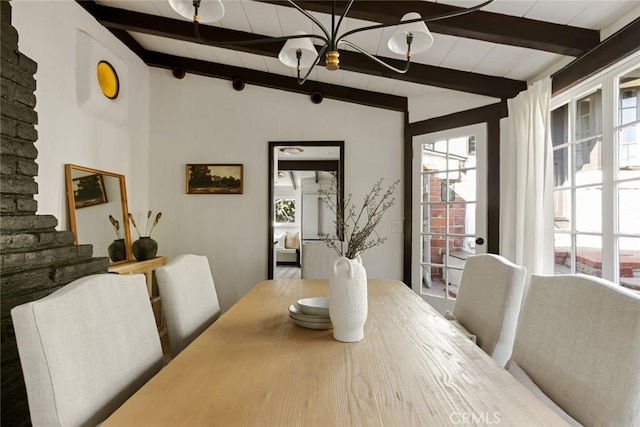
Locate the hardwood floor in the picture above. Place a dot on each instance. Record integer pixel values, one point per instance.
(287, 272)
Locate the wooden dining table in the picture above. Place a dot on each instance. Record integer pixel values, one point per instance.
(255, 367)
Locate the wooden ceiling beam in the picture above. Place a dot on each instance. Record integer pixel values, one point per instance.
(479, 25)
(480, 84)
(276, 81)
(623, 43)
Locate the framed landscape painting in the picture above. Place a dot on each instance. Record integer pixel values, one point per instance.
(211, 178)
(89, 190)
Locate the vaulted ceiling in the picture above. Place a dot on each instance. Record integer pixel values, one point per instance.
(491, 52)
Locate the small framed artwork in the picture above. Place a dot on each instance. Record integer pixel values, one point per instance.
(89, 191)
(205, 178)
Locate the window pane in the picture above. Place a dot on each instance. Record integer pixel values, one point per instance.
(562, 250)
(559, 125)
(561, 167)
(629, 151)
(629, 207)
(588, 163)
(589, 209)
(589, 255)
(285, 210)
(589, 115)
(562, 210)
(629, 86)
(630, 262)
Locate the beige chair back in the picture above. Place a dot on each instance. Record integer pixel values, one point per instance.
(488, 302)
(317, 260)
(189, 299)
(578, 340)
(86, 348)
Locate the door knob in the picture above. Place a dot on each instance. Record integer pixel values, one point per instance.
(480, 241)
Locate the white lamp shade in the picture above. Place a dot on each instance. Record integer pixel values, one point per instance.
(288, 57)
(422, 38)
(209, 10)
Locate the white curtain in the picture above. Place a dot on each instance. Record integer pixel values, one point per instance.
(526, 180)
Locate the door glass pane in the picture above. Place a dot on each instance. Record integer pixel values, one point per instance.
(589, 209)
(432, 249)
(562, 253)
(629, 207)
(589, 255)
(629, 272)
(629, 151)
(588, 162)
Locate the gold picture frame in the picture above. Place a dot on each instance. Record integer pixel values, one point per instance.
(215, 178)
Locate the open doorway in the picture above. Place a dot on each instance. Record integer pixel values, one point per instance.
(297, 170)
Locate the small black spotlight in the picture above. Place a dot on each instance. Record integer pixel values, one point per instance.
(237, 83)
(317, 96)
(178, 72)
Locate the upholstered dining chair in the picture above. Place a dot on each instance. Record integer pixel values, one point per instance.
(317, 260)
(86, 348)
(189, 300)
(578, 348)
(488, 303)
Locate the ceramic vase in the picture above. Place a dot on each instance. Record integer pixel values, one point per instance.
(117, 251)
(348, 306)
(144, 248)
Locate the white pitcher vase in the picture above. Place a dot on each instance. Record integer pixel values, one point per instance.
(348, 306)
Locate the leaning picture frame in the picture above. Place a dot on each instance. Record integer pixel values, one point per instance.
(214, 178)
(89, 191)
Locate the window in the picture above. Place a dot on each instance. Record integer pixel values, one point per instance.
(285, 211)
(595, 133)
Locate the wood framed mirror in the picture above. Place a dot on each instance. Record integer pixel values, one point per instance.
(292, 164)
(97, 204)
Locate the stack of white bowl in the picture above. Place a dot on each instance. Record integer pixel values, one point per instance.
(312, 313)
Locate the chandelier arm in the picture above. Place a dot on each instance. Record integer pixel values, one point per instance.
(312, 18)
(337, 27)
(301, 82)
(255, 41)
(378, 60)
(410, 21)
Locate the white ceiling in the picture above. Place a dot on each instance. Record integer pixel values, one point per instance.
(447, 51)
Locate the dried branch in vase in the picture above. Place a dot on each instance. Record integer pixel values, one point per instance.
(356, 236)
(116, 225)
(146, 228)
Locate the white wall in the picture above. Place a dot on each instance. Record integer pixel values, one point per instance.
(203, 120)
(441, 102)
(96, 132)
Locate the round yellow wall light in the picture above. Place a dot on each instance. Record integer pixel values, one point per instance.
(108, 80)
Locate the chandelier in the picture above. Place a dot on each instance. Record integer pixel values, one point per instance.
(411, 35)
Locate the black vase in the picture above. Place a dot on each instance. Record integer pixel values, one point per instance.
(144, 248)
(117, 251)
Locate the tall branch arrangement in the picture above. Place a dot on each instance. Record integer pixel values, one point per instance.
(357, 226)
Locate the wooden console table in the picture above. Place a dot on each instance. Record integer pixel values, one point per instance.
(147, 268)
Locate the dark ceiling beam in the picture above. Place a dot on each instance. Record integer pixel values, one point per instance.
(276, 81)
(119, 19)
(479, 25)
(623, 43)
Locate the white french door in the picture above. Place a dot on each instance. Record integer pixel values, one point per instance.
(449, 209)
